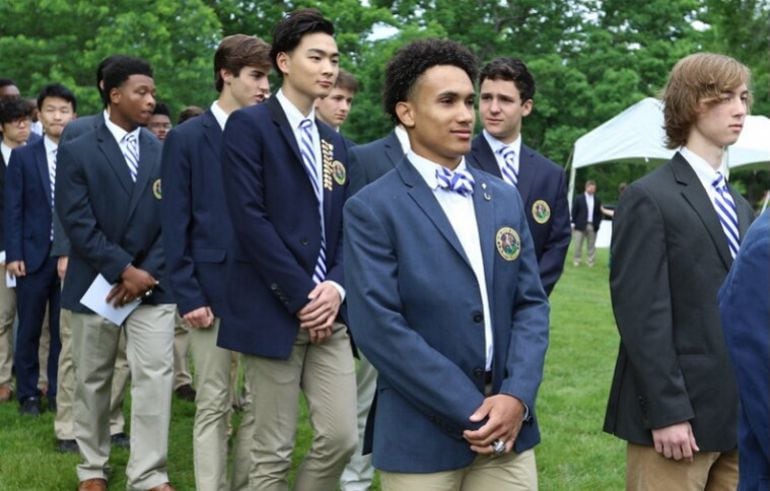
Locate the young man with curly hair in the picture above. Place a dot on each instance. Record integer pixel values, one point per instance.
(444, 294)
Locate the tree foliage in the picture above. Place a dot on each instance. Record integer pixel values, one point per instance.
(590, 58)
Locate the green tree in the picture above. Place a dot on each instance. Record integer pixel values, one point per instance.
(59, 40)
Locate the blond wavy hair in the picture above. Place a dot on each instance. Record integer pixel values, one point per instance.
(697, 79)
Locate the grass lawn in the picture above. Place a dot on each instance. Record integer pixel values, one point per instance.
(574, 454)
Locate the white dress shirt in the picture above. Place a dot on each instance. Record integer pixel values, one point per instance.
(589, 208)
(705, 173)
(461, 213)
(219, 114)
(6, 153)
(120, 136)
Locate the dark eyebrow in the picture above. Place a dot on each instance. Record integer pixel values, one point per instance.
(319, 51)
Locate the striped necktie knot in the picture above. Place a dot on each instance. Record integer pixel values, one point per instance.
(728, 217)
(460, 182)
(508, 171)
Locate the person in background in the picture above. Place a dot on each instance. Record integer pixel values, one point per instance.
(160, 121)
(586, 219)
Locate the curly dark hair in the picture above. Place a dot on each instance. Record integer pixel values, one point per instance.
(511, 70)
(288, 33)
(412, 60)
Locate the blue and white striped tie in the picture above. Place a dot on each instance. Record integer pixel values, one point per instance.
(725, 207)
(308, 158)
(131, 154)
(461, 182)
(509, 165)
(52, 180)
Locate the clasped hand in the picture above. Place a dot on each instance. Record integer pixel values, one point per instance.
(318, 315)
(504, 415)
(134, 283)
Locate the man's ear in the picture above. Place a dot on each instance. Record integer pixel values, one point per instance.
(405, 113)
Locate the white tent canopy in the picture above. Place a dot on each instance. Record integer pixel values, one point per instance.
(636, 135)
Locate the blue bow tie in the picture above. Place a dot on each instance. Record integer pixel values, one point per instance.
(461, 181)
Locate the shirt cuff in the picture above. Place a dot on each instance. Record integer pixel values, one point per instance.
(339, 288)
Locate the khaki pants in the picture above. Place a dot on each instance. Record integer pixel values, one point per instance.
(181, 350)
(63, 424)
(42, 352)
(326, 374)
(7, 315)
(511, 471)
(590, 236)
(359, 472)
(149, 346)
(647, 470)
(212, 415)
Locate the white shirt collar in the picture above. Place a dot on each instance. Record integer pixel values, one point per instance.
(403, 139)
(50, 146)
(293, 114)
(427, 168)
(6, 152)
(496, 144)
(119, 133)
(706, 174)
(219, 114)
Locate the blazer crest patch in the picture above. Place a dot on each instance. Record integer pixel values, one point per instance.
(541, 212)
(327, 155)
(156, 189)
(508, 243)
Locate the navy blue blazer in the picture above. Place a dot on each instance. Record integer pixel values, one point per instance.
(580, 212)
(196, 224)
(74, 129)
(33, 138)
(745, 311)
(28, 207)
(542, 185)
(371, 161)
(276, 221)
(111, 222)
(416, 313)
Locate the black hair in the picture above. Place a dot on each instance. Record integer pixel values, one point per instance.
(414, 59)
(5, 82)
(512, 70)
(288, 33)
(56, 90)
(14, 108)
(105, 96)
(161, 108)
(118, 71)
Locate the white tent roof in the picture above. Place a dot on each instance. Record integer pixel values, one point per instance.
(637, 135)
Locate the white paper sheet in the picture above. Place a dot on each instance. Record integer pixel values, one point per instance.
(95, 299)
(10, 280)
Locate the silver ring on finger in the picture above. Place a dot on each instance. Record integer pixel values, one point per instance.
(498, 446)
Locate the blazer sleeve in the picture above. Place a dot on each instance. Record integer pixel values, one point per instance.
(14, 209)
(79, 221)
(529, 327)
(176, 213)
(425, 377)
(745, 310)
(556, 245)
(242, 170)
(641, 301)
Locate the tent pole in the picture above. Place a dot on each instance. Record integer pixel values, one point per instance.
(571, 185)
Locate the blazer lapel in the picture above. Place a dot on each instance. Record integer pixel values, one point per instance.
(696, 196)
(527, 173)
(424, 198)
(111, 150)
(280, 120)
(484, 156)
(483, 203)
(212, 130)
(42, 167)
(148, 160)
